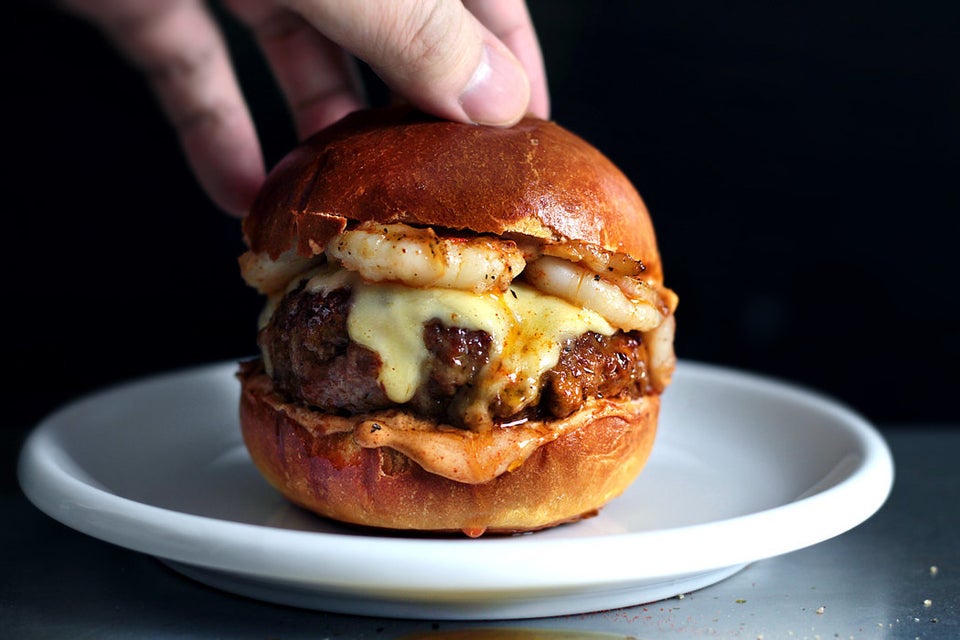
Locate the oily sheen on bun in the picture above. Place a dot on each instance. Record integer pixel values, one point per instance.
(465, 329)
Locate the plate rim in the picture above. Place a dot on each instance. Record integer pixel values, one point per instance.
(45, 483)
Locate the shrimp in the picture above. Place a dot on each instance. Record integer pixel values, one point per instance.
(421, 258)
(624, 302)
(596, 258)
(659, 343)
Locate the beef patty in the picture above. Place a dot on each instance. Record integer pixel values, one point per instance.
(315, 362)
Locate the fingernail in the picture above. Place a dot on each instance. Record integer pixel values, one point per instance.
(498, 92)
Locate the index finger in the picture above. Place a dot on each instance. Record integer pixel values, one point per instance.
(317, 78)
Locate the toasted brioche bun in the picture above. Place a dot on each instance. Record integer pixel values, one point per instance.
(535, 181)
(311, 460)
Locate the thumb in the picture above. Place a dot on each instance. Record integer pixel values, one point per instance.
(435, 54)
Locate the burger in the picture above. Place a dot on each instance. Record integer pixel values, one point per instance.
(465, 328)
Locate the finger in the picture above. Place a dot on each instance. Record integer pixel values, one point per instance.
(436, 54)
(180, 49)
(510, 21)
(319, 80)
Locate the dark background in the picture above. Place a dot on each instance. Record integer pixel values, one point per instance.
(799, 161)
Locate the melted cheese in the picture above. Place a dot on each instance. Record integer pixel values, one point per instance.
(527, 330)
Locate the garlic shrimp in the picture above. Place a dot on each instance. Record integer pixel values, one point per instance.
(420, 258)
(625, 302)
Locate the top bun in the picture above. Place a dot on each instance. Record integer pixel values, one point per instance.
(397, 165)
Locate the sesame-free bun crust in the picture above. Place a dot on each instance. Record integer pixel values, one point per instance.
(397, 165)
(318, 466)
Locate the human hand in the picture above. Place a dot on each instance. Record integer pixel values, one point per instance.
(473, 61)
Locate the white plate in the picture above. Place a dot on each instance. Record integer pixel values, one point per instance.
(744, 468)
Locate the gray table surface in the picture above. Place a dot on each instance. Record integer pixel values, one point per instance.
(895, 576)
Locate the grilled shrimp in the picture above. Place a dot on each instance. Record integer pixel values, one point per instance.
(625, 302)
(659, 343)
(421, 258)
(595, 258)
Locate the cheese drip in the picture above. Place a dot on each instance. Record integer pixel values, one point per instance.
(527, 329)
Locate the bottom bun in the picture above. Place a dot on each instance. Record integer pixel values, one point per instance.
(312, 460)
